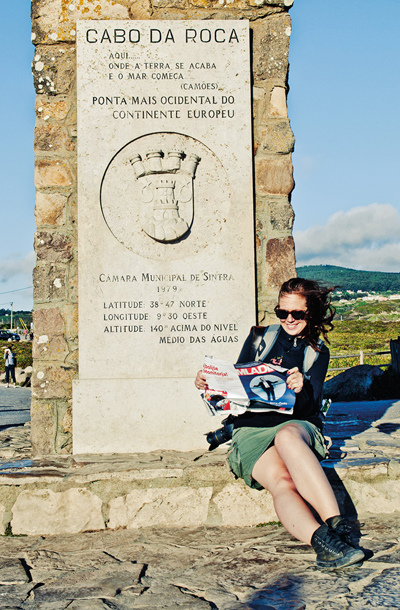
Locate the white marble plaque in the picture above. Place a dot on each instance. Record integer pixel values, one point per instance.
(166, 244)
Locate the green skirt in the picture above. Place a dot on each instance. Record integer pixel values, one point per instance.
(248, 445)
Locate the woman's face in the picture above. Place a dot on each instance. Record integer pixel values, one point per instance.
(290, 302)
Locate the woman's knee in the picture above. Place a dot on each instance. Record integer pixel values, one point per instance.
(289, 436)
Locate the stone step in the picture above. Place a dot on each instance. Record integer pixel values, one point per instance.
(71, 494)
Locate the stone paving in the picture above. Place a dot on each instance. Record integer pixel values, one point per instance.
(254, 568)
(74, 494)
(206, 567)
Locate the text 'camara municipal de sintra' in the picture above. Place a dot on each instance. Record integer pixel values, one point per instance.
(204, 276)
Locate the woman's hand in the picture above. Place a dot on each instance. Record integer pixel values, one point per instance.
(200, 381)
(295, 380)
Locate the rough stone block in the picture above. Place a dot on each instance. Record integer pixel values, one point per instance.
(53, 247)
(70, 313)
(67, 420)
(376, 498)
(51, 137)
(51, 426)
(49, 347)
(394, 469)
(52, 173)
(48, 321)
(51, 108)
(241, 506)
(22, 375)
(53, 69)
(73, 357)
(73, 210)
(44, 512)
(52, 381)
(13, 596)
(63, 441)
(50, 209)
(274, 175)
(43, 427)
(54, 21)
(281, 214)
(179, 507)
(271, 48)
(277, 104)
(49, 283)
(73, 283)
(265, 317)
(281, 261)
(89, 585)
(278, 137)
(2, 526)
(259, 100)
(12, 572)
(141, 9)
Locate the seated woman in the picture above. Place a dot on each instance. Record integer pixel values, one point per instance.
(281, 453)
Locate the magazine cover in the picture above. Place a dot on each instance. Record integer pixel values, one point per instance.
(266, 383)
(237, 387)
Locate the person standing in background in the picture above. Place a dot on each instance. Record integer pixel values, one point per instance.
(9, 357)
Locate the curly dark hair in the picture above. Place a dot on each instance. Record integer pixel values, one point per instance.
(320, 312)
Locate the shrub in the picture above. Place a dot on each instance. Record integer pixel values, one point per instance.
(22, 351)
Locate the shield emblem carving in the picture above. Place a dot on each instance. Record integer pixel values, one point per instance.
(165, 183)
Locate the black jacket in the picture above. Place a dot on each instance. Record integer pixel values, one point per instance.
(289, 353)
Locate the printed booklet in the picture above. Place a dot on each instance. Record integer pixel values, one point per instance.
(236, 387)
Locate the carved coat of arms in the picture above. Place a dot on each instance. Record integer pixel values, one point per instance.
(165, 182)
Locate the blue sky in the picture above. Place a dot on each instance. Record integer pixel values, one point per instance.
(17, 119)
(344, 106)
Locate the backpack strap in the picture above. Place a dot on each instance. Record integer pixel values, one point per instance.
(310, 356)
(268, 339)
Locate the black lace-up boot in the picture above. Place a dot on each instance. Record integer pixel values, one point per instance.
(342, 527)
(332, 551)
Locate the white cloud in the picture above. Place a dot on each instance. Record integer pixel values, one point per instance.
(365, 237)
(17, 265)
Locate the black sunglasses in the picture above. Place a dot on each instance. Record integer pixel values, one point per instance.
(297, 314)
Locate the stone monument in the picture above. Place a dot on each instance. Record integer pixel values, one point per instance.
(161, 215)
(165, 225)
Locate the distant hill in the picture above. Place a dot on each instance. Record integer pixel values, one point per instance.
(351, 279)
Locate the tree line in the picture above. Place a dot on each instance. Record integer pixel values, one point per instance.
(351, 279)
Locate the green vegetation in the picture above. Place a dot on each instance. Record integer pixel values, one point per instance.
(5, 318)
(374, 311)
(360, 324)
(349, 337)
(22, 351)
(351, 279)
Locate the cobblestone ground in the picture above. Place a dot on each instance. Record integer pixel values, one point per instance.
(260, 568)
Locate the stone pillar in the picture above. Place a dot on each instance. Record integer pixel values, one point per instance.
(55, 348)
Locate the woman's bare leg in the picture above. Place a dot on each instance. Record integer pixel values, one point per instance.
(292, 511)
(291, 472)
(292, 446)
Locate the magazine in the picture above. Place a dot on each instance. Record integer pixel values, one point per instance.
(251, 386)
